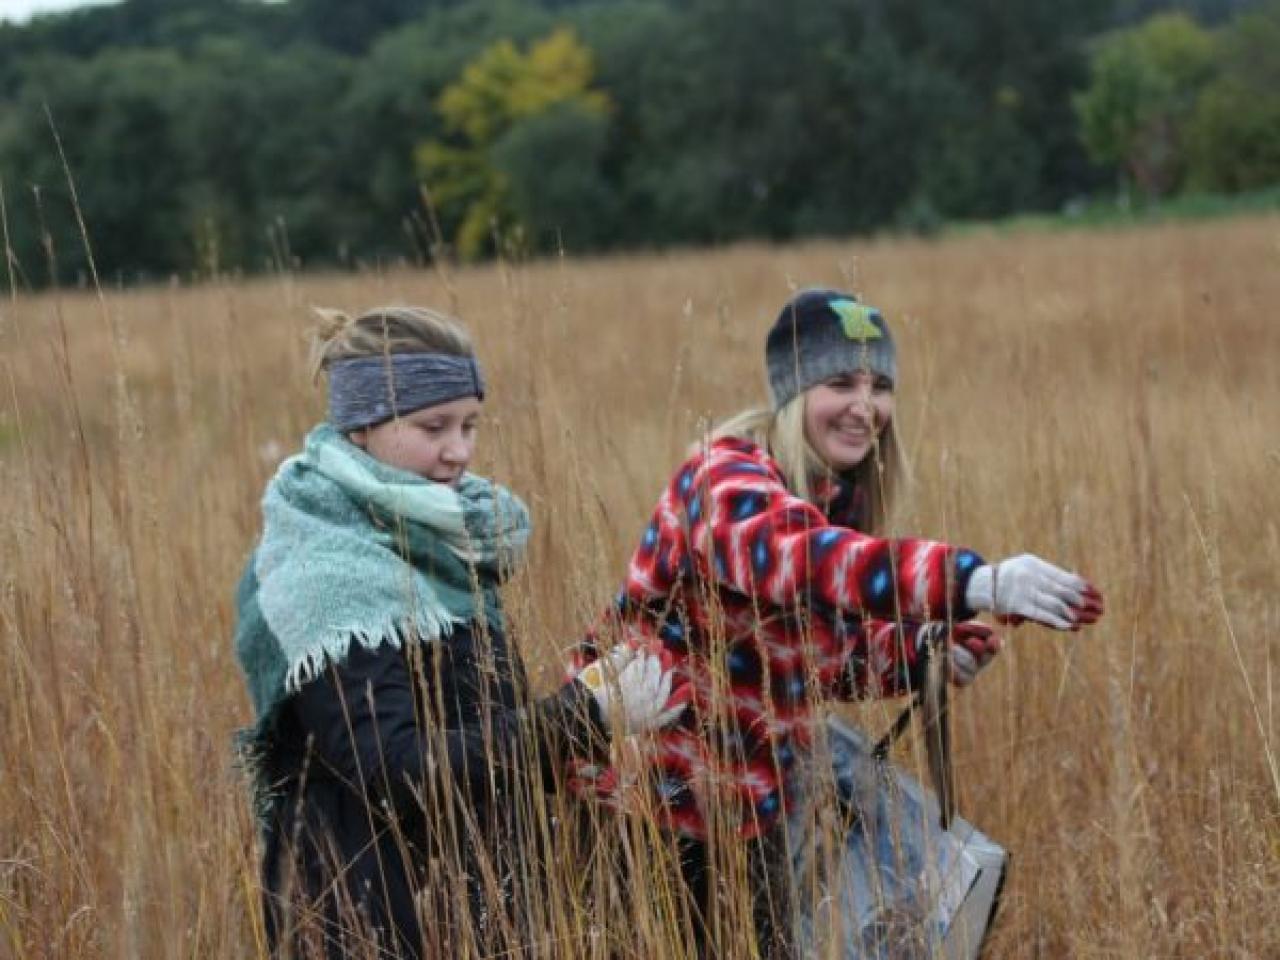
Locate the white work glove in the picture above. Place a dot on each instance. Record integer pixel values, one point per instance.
(635, 686)
(1028, 588)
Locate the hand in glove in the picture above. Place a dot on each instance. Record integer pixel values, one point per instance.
(973, 647)
(634, 684)
(1028, 588)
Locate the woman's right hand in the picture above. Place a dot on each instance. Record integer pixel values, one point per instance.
(635, 685)
(1028, 588)
(972, 647)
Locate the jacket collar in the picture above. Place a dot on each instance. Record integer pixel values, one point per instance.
(839, 499)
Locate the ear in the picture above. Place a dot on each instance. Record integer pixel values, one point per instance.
(359, 437)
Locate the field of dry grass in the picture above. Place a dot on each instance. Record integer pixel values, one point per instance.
(1109, 400)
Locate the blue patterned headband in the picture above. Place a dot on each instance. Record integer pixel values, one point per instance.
(364, 391)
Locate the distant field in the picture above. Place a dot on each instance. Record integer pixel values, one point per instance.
(1108, 399)
(1112, 213)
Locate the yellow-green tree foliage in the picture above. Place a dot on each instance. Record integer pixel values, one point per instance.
(496, 92)
(1234, 135)
(1143, 87)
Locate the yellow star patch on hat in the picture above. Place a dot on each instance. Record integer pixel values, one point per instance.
(856, 320)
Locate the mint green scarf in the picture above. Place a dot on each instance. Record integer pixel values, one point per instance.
(355, 550)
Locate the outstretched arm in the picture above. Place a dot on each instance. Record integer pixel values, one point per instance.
(749, 533)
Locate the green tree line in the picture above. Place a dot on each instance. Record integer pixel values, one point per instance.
(207, 135)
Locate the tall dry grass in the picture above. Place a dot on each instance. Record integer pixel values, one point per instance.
(1109, 400)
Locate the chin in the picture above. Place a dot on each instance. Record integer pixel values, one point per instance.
(842, 460)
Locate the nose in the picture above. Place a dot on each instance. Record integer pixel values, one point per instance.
(860, 398)
(457, 450)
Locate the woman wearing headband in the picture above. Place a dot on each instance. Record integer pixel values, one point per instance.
(395, 742)
(765, 574)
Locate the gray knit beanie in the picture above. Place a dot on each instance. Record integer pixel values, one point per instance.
(821, 334)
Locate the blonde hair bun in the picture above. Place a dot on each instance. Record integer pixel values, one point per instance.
(397, 328)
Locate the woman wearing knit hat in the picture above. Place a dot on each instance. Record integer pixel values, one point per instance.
(765, 573)
(394, 741)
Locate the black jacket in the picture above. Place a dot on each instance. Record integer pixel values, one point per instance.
(401, 776)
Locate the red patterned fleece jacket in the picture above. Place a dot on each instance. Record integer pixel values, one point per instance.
(765, 603)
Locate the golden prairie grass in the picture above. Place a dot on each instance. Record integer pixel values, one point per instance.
(1108, 400)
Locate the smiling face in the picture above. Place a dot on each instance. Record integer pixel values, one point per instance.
(845, 414)
(436, 442)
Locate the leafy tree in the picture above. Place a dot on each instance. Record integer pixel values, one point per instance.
(551, 163)
(87, 31)
(1209, 12)
(499, 90)
(387, 111)
(1002, 135)
(115, 117)
(623, 35)
(832, 116)
(1143, 87)
(748, 109)
(352, 27)
(1234, 135)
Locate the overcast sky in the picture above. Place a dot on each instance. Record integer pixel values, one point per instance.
(19, 10)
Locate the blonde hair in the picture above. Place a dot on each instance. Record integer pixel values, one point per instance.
(781, 434)
(384, 330)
